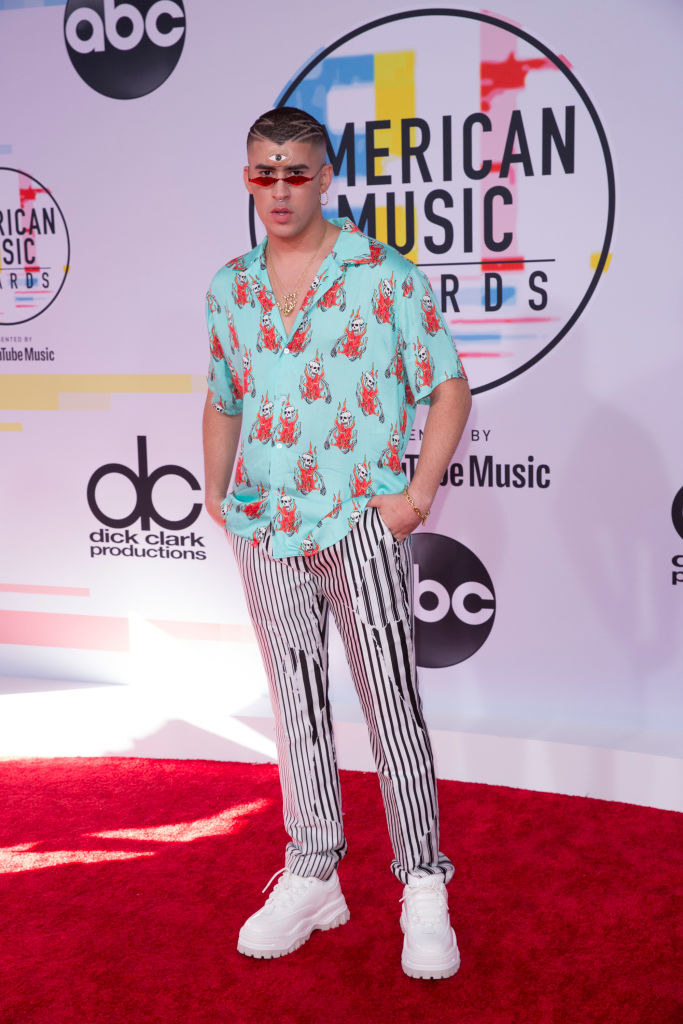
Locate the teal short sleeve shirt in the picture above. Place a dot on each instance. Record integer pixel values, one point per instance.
(326, 411)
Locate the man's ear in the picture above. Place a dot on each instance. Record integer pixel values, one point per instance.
(247, 184)
(326, 177)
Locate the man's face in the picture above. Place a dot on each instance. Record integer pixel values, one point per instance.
(287, 211)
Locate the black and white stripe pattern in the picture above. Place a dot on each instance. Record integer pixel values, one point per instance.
(366, 579)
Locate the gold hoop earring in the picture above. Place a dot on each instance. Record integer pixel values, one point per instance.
(327, 199)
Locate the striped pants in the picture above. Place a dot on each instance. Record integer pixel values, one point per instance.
(366, 579)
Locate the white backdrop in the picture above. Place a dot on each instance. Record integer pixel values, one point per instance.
(575, 683)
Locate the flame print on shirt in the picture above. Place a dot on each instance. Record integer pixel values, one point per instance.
(356, 513)
(367, 393)
(389, 456)
(212, 302)
(237, 264)
(287, 519)
(397, 366)
(312, 289)
(241, 475)
(334, 511)
(262, 427)
(234, 340)
(343, 434)
(249, 387)
(309, 546)
(353, 341)
(313, 384)
(375, 257)
(288, 429)
(215, 345)
(424, 366)
(307, 476)
(254, 509)
(236, 382)
(258, 536)
(360, 480)
(268, 336)
(430, 318)
(301, 337)
(262, 295)
(241, 292)
(334, 296)
(383, 301)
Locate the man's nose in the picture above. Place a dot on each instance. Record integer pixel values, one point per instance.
(281, 188)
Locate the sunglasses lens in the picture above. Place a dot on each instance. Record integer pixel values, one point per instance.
(290, 179)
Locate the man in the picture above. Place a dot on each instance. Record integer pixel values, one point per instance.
(322, 341)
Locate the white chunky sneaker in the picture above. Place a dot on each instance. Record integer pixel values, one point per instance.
(429, 946)
(294, 908)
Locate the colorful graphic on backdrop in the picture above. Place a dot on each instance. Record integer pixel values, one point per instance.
(474, 149)
(34, 247)
(124, 50)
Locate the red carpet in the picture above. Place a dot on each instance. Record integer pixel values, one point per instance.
(567, 910)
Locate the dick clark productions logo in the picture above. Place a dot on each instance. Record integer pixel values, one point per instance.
(124, 49)
(474, 150)
(142, 541)
(143, 483)
(455, 603)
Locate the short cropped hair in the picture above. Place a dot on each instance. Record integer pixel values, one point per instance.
(287, 124)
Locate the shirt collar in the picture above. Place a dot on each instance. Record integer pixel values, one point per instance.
(352, 246)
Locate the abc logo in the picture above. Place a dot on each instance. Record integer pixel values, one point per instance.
(124, 49)
(455, 603)
(143, 482)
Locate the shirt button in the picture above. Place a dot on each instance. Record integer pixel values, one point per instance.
(286, 351)
(279, 444)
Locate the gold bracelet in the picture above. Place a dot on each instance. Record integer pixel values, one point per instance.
(422, 515)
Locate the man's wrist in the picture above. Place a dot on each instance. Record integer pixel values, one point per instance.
(421, 513)
(423, 497)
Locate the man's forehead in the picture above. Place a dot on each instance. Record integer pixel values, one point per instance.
(280, 154)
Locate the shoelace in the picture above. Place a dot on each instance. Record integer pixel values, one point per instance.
(426, 903)
(286, 887)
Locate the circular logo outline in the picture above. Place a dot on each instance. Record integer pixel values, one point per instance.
(10, 323)
(561, 66)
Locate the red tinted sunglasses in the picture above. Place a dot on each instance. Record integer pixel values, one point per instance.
(265, 181)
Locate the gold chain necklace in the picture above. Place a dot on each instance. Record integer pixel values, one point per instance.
(288, 303)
